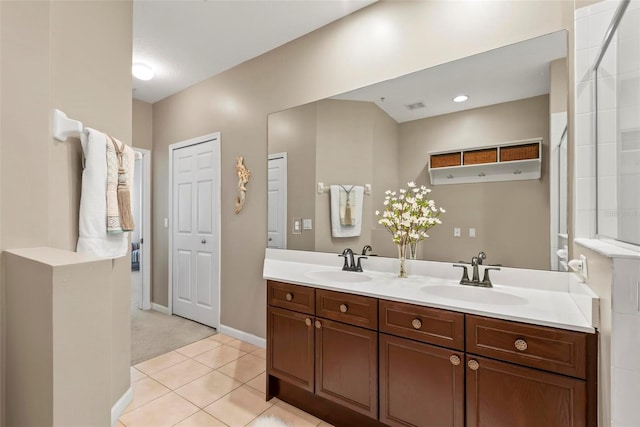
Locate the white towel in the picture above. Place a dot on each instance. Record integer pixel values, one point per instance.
(93, 237)
(337, 229)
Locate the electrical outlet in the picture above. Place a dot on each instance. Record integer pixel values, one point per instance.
(456, 232)
(307, 224)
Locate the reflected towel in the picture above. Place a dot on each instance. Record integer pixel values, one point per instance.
(347, 203)
(343, 224)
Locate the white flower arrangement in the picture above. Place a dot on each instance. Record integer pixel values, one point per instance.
(409, 214)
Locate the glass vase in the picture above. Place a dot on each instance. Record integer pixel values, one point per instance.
(413, 249)
(402, 251)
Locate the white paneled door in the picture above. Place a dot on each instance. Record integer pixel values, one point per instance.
(277, 201)
(195, 239)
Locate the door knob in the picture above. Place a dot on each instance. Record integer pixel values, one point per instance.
(204, 241)
(270, 238)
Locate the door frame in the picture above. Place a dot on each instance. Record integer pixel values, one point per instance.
(215, 138)
(274, 156)
(145, 266)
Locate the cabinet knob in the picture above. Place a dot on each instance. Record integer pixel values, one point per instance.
(343, 308)
(416, 323)
(455, 360)
(521, 344)
(289, 297)
(473, 365)
(318, 324)
(307, 321)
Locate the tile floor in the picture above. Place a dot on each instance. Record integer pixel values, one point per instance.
(218, 381)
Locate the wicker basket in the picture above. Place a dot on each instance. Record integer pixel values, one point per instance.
(519, 152)
(445, 160)
(476, 157)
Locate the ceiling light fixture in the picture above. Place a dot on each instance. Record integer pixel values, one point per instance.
(460, 98)
(142, 72)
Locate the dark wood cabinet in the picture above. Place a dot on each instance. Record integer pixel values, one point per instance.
(290, 347)
(355, 360)
(420, 384)
(506, 395)
(541, 347)
(347, 366)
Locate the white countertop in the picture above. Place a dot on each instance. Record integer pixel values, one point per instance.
(553, 303)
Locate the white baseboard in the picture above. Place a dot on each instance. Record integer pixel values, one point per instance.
(243, 336)
(161, 308)
(121, 405)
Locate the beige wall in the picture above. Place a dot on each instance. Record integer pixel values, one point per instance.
(339, 57)
(334, 142)
(142, 125)
(344, 155)
(293, 132)
(559, 86)
(75, 56)
(56, 346)
(511, 218)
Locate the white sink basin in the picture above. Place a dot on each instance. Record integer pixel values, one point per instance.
(338, 276)
(473, 294)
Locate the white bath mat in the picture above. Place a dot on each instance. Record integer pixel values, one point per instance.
(269, 421)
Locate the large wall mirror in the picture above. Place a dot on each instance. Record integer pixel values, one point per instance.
(381, 135)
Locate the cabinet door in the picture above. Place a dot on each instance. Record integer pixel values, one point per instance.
(347, 366)
(420, 384)
(500, 394)
(290, 347)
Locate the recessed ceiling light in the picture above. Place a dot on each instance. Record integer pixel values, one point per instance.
(460, 98)
(142, 71)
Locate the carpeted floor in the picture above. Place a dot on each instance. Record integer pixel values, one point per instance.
(154, 333)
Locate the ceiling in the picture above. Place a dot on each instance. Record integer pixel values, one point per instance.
(517, 71)
(187, 41)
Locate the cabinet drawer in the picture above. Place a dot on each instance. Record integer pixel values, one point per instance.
(540, 347)
(347, 308)
(292, 297)
(430, 325)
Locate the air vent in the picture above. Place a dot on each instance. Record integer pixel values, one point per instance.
(415, 106)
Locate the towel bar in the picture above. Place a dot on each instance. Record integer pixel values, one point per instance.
(326, 188)
(64, 127)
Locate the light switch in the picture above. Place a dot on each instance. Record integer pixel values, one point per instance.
(297, 226)
(166, 223)
(472, 232)
(456, 232)
(307, 224)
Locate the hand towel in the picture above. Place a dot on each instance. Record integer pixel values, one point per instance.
(347, 204)
(340, 228)
(93, 237)
(113, 215)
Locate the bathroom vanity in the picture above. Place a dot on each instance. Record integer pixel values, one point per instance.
(360, 349)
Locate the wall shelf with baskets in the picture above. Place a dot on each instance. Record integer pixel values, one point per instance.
(511, 161)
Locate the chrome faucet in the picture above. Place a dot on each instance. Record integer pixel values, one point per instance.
(349, 261)
(476, 261)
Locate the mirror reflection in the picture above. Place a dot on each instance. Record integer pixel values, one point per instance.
(380, 137)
